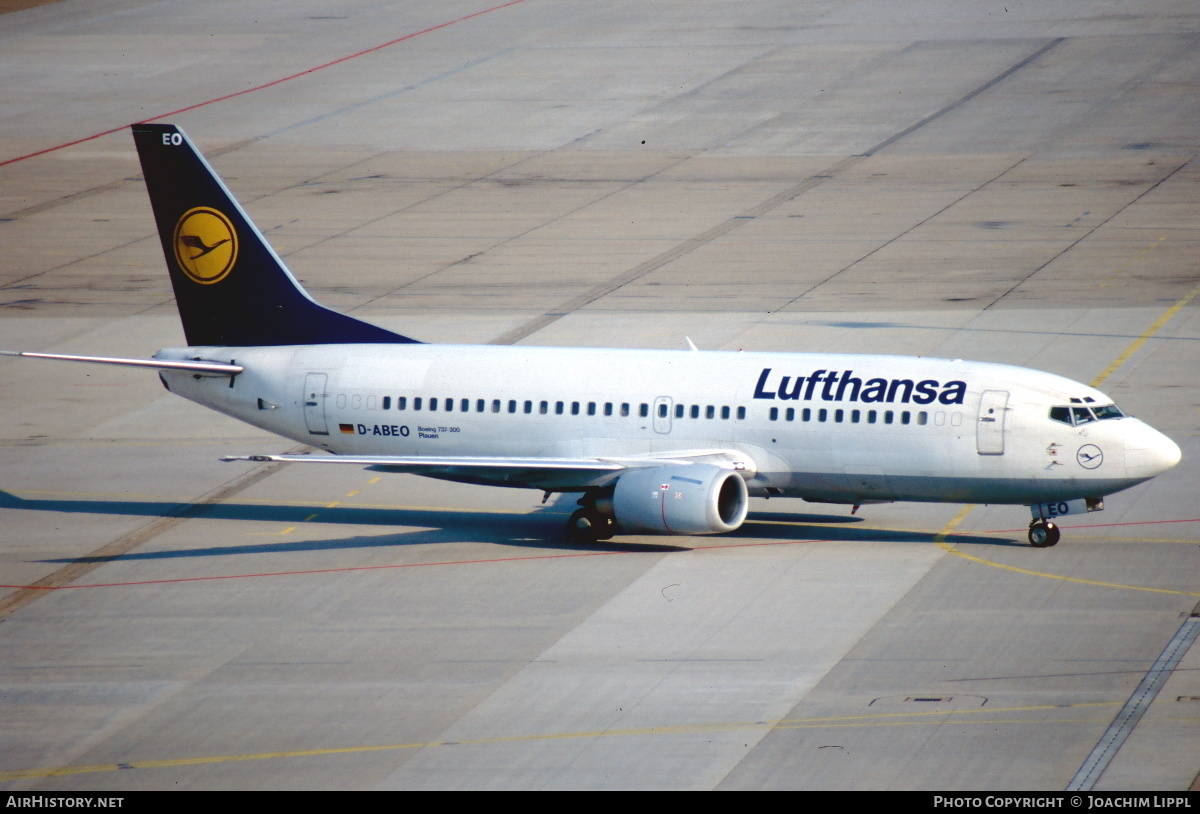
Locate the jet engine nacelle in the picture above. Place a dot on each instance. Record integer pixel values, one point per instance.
(695, 499)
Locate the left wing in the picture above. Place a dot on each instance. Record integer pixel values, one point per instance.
(547, 474)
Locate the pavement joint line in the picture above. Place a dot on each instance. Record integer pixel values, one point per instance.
(81, 566)
(1087, 234)
(687, 247)
(272, 83)
(1131, 713)
(931, 718)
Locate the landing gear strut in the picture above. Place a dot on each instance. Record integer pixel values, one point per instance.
(587, 525)
(1043, 534)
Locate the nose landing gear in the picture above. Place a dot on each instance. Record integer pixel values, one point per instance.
(1043, 534)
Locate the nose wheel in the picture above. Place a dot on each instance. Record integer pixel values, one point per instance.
(1043, 534)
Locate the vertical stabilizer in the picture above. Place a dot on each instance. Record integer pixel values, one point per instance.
(230, 285)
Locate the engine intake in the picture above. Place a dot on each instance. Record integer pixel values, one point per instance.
(695, 499)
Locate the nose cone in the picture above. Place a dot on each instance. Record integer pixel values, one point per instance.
(1148, 452)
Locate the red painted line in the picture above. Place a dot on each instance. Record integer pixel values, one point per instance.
(495, 560)
(1091, 526)
(228, 96)
(314, 571)
(398, 565)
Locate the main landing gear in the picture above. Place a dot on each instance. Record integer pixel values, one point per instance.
(1043, 534)
(587, 525)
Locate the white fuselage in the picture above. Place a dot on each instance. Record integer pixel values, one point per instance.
(879, 428)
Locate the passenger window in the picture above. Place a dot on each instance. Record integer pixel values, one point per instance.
(887, 416)
(341, 401)
(591, 408)
(773, 414)
(679, 411)
(741, 414)
(854, 415)
(904, 417)
(574, 408)
(871, 416)
(644, 410)
(387, 402)
(479, 405)
(402, 403)
(528, 407)
(558, 408)
(837, 416)
(543, 407)
(417, 403)
(432, 404)
(370, 402)
(695, 411)
(465, 405)
(356, 402)
(711, 412)
(512, 405)
(922, 418)
(822, 414)
(662, 411)
(791, 414)
(449, 405)
(806, 414)
(725, 413)
(624, 409)
(495, 405)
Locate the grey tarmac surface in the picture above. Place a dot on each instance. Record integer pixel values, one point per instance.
(1007, 183)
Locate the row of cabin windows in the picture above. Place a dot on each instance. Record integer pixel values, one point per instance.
(623, 409)
(608, 408)
(839, 416)
(708, 411)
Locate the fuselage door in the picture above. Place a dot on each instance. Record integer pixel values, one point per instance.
(989, 429)
(314, 403)
(662, 415)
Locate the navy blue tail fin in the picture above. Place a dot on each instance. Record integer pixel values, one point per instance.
(230, 285)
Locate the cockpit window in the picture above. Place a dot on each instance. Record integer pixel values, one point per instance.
(1082, 415)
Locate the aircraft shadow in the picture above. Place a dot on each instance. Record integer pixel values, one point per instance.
(536, 530)
(754, 528)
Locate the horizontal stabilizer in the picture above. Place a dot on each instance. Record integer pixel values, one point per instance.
(200, 367)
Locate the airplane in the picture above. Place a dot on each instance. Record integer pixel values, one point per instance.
(651, 441)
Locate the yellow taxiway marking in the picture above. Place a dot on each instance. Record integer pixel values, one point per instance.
(1141, 340)
(1147, 250)
(921, 718)
(947, 547)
